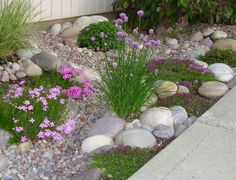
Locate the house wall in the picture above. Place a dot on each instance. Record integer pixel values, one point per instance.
(60, 9)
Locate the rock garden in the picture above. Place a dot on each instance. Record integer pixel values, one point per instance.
(97, 99)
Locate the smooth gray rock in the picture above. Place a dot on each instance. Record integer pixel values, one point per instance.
(163, 132)
(46, 61)
(225, 44)
(207, 42)
(179, 129)
(109, 126)
(222, 72)
(24, 53)
(147, 127)
(179, 115)
(20, 74)
(190, 121)
(219, 35)
(4, 137)
(207, 32)
(196, 52)
(16, 66)
(198, 36)
(65, 26)
(5, 76)
(136, 138)
(3, 163)
(103, 149)
(55, 29)
(232, 83)
(31, 69)
(91, 174)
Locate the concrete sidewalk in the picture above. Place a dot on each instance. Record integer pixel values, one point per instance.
(206, 151)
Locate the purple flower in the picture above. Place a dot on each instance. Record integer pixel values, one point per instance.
(114, 65)
(120, 35)
(23, 139)
(126, 19)
(148, 44)
(186, 83)
(74, 92)
(145, 38)
(140, 13)
(135, 44)
(102, 34)
(119, 21)
(122, 15)
(151, 31)
(135, 31)
(93, 38)
(155, 43)
(173, 52)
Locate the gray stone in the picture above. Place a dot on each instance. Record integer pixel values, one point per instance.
(147, 127)
(91, 174)
(103, 149)
(213, 89)
(16, 66)
(24, 53)
(182, 90)
(219, 35)
(208, 32)
(190, 121)
(46, 61)
(55, 29)
(172, 43)
(65, 26)
(225, 44)
(31, 69)
(166, 89)
(25, 147)
(5, 77)
(179, 115)
(222, 72)
(207, 42)
(232, 83)
(155, 116)
(93, 142)
(12, 77)
(179, 129)
(136, 138)
(9, 71)
(20, 74)
(3, 163)
(109, 126)
(4, 137)
(198, 36)
(134, 124)
(196, 52)
(163, 132)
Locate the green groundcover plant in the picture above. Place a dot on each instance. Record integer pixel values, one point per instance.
(184, 71)
(170, 11)
(100, 36)
(220, 56)
(127, 81)
(16, 27)
(36, 109)
(121, 163)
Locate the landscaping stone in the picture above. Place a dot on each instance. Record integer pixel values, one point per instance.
(3, 163)
(65, 26)
(31, 69)
(163, 131)
(155, 116)
(134, 124)
(213, 89)
(172, 43)
(225, 44)
(198, 36)
(109, 126)
(207, 42)
(5, 76)
(70, 32)
(4, 137)
(20, 74)
(12, 77)
(91, 174)
(55, 29)
(179, 129)
(9, 71)
(219, 35)
(222, 72)
(196, 52)
(166, 89)
(147, 127)
(46, 61)
(25, 147)
(24, 53)
(136, 138)
(16, 66)
(179, 115)
(73, 108)
(93, 142)
(151, 101)
(182, 90)
(208, 32)
(103, 149)
(190, 121)
(202, 63)
(232, 83)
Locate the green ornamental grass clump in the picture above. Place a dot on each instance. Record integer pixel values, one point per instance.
(220, 56)
(16, 27)
(121, 163)
(99, 36)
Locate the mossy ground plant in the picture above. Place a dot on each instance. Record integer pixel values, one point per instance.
(220, 56)
(99, 37)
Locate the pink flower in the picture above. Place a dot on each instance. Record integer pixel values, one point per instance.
(23, 139)
(140, 13)
(30, 107)
(74, 92)
(31, 120)
(93, 38)
(62, 101)
(19, 129)
(57, 136)
(26, 102)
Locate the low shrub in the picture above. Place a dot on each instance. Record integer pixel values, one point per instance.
(184, 71)
(220, 56)
(122, 162)
(127, 82)
(16, 27)
(195, 105)
(171, 11)
(36, 109)
(100, 36)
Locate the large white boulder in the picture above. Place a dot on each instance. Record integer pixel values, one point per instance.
(222, 72)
